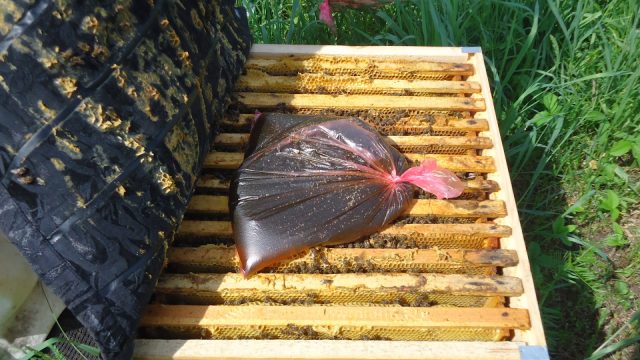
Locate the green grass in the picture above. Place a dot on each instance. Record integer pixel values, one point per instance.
(565, 83)
(48, 350)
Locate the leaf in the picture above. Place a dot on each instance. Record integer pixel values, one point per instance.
(577, 240)
(534, 249)
(56, 352)
(616, 241)
(595, 116)
(37, 349)
(615, 214)
(617, 229)
(550, 102)
(558, 226)
(621, 173)
(606, 349)
(611, 201)
(541, 118)
(561, 230)
(620, 148)
(621, 287)
(609, 171)
(599, 354)
(87, 348)
(578, 206)
(548, 262)
(556, 49)
(635, 151)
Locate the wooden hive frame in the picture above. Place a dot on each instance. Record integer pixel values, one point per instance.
(204, 309)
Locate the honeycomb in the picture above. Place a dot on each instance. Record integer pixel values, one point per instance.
(352, 66)
(327, 333)
(307, 83)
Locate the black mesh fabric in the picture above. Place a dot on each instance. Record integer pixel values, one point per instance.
(72, 331)
(107, 110)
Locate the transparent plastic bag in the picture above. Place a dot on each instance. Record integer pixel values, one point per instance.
(310, 180)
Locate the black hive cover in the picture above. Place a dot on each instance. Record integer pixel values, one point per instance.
(107, 109)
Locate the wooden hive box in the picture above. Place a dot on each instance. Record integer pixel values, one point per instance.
(449, 280)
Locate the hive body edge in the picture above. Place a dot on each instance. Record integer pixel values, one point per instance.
(361, 349)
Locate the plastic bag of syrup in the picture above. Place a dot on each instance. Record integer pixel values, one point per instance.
(313, 180)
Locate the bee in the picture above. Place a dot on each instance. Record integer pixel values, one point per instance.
(135, 146)
(131, 91)
(196, 20)
(62, 13)
(91, 24)
(84, 46)
(125, 24)
(67, 85)
(67, 54)
(166, 183)
(26, 180)
(152, 92)
(174, 39)
(103, 119)
(21, 171)
(76, 60)
(184, 56)
(120, 77)
(100, 52)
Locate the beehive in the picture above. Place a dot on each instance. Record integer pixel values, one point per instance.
(448, 280)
